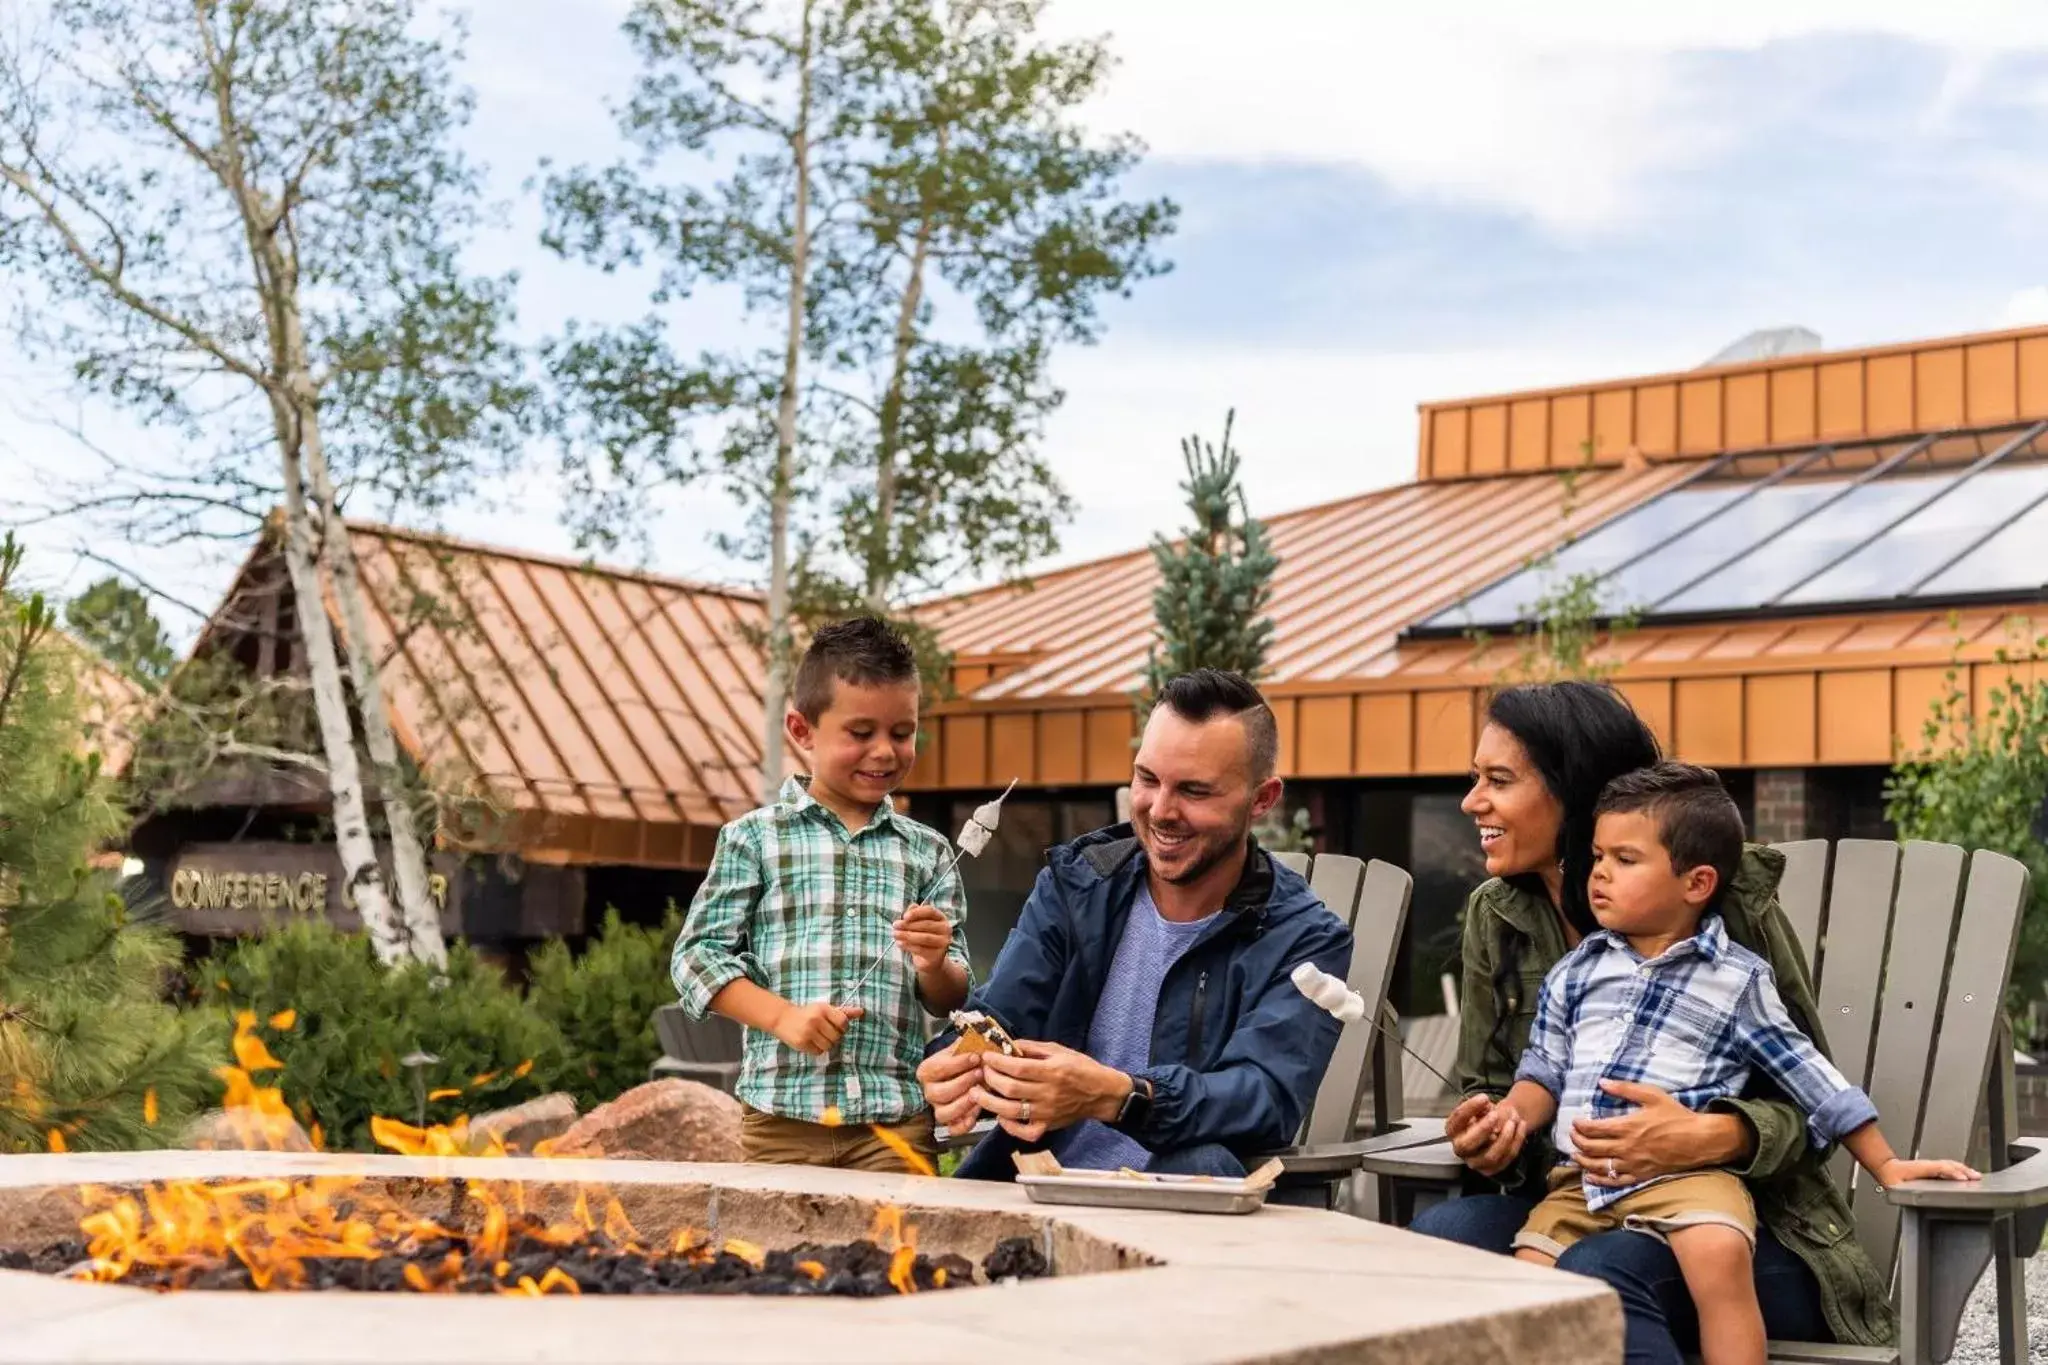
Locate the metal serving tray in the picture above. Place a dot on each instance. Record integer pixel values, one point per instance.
(1172, 1193)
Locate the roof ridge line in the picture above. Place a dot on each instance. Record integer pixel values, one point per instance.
(453, 542)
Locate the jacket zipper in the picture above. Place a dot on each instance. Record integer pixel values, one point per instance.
(1195, 1020)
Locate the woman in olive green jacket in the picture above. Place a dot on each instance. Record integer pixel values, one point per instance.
(1541, 761)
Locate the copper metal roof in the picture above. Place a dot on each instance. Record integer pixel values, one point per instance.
(592, 697)
(613, 716)
(1352, 574)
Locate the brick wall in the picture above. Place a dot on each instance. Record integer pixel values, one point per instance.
(1785, 799)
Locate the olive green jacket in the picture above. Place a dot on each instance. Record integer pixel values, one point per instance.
(1788, 1176)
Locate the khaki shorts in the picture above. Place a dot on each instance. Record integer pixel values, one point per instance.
(1683, 1201)
(770, 1139)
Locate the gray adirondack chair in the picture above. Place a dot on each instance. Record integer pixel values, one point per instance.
(1372, 898)
(705, 1050)
(1911, 950)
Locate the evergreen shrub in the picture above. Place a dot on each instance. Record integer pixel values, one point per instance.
(356, 1021)
(602, 1003)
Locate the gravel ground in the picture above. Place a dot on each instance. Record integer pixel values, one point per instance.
(1977, 1343)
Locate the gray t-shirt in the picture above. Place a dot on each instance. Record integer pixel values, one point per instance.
(1121, 1033)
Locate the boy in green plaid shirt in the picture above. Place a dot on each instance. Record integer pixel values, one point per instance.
(805, 896)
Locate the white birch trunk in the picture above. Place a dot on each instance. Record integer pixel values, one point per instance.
(420, 919)
(775, 696)
(360, 873)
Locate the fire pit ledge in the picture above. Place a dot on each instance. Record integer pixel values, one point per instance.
(1283, 1285)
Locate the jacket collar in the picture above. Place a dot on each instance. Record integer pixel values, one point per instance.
(1109, 852)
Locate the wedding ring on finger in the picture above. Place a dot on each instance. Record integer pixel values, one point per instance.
(1024, 1114)
(1610, 1169)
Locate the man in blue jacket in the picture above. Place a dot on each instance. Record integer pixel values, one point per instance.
(1147, 984)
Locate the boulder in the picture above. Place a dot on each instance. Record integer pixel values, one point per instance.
(246, 1130)
(523, 1125)
(665, 1120)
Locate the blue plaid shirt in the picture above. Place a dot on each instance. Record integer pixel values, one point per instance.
(1696, 1022)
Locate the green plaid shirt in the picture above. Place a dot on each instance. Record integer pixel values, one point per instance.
(800, 907)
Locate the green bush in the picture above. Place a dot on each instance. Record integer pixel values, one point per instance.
(1978, 778)
(602, 1003)
(357, 1020)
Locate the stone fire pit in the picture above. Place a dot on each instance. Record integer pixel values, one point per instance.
(1282, 1285)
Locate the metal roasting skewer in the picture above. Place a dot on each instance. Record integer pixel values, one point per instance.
(994, 811)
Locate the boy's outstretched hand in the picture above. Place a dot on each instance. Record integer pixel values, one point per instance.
(925, 934)
(1898, 1171)
(815, 1028)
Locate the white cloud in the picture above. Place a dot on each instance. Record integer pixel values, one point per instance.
(1554, 111)
(2026, 308)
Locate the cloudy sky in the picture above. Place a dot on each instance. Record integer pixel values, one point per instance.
(1383, 206)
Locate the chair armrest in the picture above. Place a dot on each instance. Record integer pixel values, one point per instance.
(2022, 1185)
(1434, 1162)
(1342, 1158)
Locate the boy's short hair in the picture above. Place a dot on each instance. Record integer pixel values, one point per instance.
(1205, 693)
(1697, 820)
(863, 650)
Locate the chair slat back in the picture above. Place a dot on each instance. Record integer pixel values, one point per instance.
(1297, 863)
(1923, 925)
(1851, 954)
(1932, 930)
(1336, 877)
(1382, 910)
(1972, 1016)
(1802, 891)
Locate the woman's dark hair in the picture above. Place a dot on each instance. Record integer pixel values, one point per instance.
(1580, 736)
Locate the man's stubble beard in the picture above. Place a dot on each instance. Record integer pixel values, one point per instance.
(1213, 856)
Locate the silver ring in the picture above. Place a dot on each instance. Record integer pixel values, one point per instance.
(1610, 1169)
(1024, 1115)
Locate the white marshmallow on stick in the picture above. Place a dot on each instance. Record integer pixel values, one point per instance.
(975, 834)
(1328, 993)
(974, 837)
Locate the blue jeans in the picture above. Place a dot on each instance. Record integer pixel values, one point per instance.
(1658, 1316)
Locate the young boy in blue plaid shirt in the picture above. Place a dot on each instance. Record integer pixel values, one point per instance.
(805, 896)
(1660, 996)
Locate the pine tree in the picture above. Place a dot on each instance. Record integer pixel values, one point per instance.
(89, 1049)
(1214, 586)
(114, 618)
(1214, 583)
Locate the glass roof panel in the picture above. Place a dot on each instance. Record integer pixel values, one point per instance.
(1598, 551)
(1644, 584)
(1894, 564)
(1854, 525)
(1829, 531)
(2015, 559)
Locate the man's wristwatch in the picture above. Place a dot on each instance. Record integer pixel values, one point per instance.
(1137, 1106)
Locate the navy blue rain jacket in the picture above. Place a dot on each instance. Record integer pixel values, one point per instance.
(1237, 1051)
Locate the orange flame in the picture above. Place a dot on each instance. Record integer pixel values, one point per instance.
(914, 1161)
(900, 1267)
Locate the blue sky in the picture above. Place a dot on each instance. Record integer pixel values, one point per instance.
(1381, 208)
